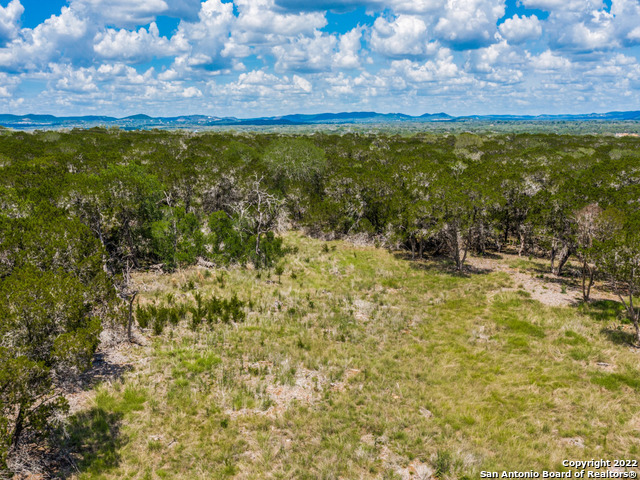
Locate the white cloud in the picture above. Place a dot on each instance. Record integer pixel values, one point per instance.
(468, 24)
(572, 5)
(634, 35)
(302, 84)
(204, 42)
(587, 25)
(71, 80)
(191, 92)
(497, 56)
(306, 54)
(283, 56)
(518, 29)
(548, 61)
(9, 20)
(137, 46)
(405, 35)
(348, 55)
(415, 6)
(257, 85)
(127, 13)
(594, 36)
(57, 37)
(259, 23)
(442, 68)
(8, 84)
(627, 19)
(497, 64)
(319, 53)
(398, 6)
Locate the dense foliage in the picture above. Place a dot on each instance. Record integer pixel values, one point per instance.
(80, 210)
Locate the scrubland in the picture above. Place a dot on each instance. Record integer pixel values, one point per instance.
(355, 362)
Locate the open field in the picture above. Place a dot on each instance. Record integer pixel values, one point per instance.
(358, 363)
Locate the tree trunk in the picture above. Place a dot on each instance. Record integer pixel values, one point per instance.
(19, 426)
(130, 319)
(631, 310)
(633, 316)
(482, 247)
(456, 240)
(413, 247)
(588, 273)
(421, 251)
(506, 230)
(564, 255)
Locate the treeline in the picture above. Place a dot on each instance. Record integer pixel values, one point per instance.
(81, 210)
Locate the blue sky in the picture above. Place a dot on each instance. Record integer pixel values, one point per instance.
(248, 58)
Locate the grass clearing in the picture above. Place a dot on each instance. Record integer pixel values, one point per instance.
(355, 363)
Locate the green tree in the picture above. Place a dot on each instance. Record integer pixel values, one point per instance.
(619, 258)
(177, 238)
(295, 160)
(48, 331)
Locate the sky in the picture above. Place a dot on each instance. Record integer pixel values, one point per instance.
(254, 58)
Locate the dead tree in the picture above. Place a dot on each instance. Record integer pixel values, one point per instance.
(258, 212)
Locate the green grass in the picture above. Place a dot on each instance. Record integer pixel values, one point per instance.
(358, 365)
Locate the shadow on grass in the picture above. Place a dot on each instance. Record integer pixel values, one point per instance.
(619, 337)
(90, 443)
(102, 370)
(440, 264)
(528, 266)
(491, 255)
(602, 310)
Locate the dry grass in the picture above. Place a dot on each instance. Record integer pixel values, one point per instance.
(360, 364)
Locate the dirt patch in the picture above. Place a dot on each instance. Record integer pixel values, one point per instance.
(111, 361)
(362, 310)
(308, 384)
(551, 293)
(416, 470)
(306, 388)
(34, 460)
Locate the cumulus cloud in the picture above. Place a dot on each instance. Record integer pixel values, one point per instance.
(8, 85)
(518, 29)
(468, 24)
(72, 80)
(258, 22)
(348, 55)
(127, 13)
(258, 84)
(136, 46)
(498, 55)
(627, 19)
(306, 54)
(405, 35)
(441, 68)
(398, 6)
(57, 37)
(570, 5)
(191, 92)
(9, 20)
(284, 55)
(548, 61)
(203, 42)
(500, 63)
(588, 25)
(319, 53)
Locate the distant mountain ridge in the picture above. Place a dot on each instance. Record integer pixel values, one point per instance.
(34, 121)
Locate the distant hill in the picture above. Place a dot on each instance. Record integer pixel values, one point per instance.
(34, 121)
